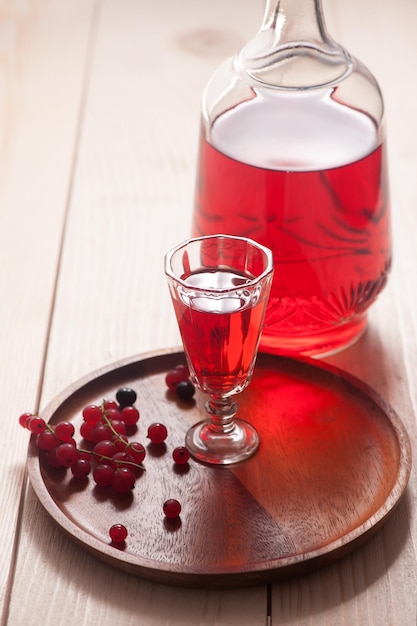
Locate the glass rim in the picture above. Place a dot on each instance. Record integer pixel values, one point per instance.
(251, 282)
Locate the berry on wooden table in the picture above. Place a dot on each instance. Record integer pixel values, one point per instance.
(81, 468)
(180, 455)
(137, 450)
(103, 475)
(118, 533)
(129, 415)
(110, 405)
(176, 376)
(178, 381)
(66, 454)
(171, 508)
(36, 425)
(104, 448)
(65, 431)
(24, 419)
(185, 390)
(157, 432)
(92, 414)
(123, 480)
(48, 440)
(126, 397)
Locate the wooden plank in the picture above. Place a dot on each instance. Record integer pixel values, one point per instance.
(41, 73)
(372, 585)
(131, 201)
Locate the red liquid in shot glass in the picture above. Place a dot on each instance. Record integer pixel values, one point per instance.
(220, 335)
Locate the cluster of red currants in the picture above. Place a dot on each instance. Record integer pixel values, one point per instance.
(109, 456)
(112, 459)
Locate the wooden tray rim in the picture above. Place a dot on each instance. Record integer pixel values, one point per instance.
(258, 573)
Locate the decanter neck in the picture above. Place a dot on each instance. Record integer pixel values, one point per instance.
(293, 49)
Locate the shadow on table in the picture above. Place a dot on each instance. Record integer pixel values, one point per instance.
(340, 590)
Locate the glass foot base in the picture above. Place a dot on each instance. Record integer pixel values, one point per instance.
(209, 446)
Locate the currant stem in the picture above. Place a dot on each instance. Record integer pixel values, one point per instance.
(109, 424)
(108, 458)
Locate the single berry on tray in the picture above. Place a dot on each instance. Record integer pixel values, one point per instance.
(177, 375)
(24, 419)
(171, 508)
(185, 390)
(118, 533)
(180, 455)
(126, 396)
(157, 432)
(81, 468)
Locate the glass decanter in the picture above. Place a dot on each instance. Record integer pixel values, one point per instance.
(293, 155)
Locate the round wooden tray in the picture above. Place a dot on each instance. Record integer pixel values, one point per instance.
(333, 462)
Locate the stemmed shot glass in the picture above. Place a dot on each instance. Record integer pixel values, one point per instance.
(219, 287)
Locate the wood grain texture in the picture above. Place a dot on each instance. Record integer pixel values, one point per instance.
(129, 201)
(42, 55)
(360, 589)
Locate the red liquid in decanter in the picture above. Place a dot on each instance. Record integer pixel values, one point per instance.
(318, 198)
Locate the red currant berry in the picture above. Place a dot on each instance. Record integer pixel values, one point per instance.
(47, 440)
(180, 455)
(92, 414)
(24, 419)
(103, 475)
(171, 508)
(122, 459)
(105, 447)
(123, 480)
(137, 451)
(118, 533)
(81, 468)
(85, 430)
(36, 425)
(100, 432)
(110, 404)
(175, 376)
(66, 454)
(185, 390)
(157, 433)
(65, 431)
(126, 396)
(120, 441)
(119, 426)
(112, 413)
(184, 369)
(130, 415)
(51, 457)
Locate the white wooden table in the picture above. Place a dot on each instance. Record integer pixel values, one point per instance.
(99, 121)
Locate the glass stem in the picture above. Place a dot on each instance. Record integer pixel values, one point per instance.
(222, 412)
